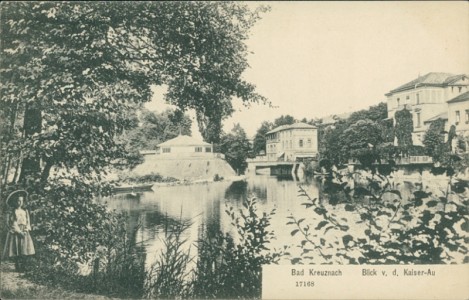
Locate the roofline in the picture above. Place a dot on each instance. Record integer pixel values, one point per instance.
(280, 128)
(185, 145)
(415, 87)
(445, 84)
(456, 100)
(194, 143)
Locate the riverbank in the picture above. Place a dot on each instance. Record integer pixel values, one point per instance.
(150, 181)
(14, 285)
(200, 181)
(184, 167)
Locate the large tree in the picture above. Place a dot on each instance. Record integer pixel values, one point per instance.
(284, 120)
(360, 140)
(260, 137)
(434, 140)
(76, 71)
(374, 113)
(155, 128)
(403, 129)
(236, 148)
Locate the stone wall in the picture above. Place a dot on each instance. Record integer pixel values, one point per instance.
(185, 168)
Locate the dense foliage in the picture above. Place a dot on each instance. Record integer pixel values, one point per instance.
(427, 228)
(434, 140)
(227, 266)
(359, 141)
(362, 136)
(75, 72)
(260, 137)
(73, 75)
(149, 178)
(236, 148)
(403, 128)
(155, 128)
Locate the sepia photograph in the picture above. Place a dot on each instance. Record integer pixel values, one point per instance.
(234, 150)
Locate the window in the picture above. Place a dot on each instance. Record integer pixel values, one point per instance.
(309, 143)
(166, 150)
(418, 119)
(460, 88)
(208, 149)
(458, 117)
(398, 102)
(198, 149)
(301, 143)
(467, 116)
(418, 98)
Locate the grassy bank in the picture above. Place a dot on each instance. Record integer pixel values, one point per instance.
(14, 285)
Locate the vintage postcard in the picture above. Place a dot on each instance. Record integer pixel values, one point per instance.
(228, 150)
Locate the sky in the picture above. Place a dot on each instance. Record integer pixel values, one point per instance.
(314, 59)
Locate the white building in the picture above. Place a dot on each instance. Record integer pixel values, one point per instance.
(184, 145)
(426, 98)
(292, 142)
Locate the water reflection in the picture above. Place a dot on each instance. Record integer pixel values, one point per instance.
(204, 205)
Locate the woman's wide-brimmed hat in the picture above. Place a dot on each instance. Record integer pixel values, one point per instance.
(14, 195)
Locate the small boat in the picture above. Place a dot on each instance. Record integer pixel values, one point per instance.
(133, 188)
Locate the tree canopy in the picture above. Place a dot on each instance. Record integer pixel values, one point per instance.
(236, 148)
(403, 128)
(284, 120)
(434, 140)
(75, 72)
(260, 139)
(155, 128)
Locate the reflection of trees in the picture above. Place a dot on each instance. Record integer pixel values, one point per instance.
(237, 190)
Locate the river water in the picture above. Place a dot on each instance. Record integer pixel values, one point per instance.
(204, 205)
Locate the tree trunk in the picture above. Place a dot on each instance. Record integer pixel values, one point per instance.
(32, 124)
(46, 171)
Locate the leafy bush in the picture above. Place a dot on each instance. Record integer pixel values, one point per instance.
(80, 244)
(231, 267)
(423, 229)
(226, 266)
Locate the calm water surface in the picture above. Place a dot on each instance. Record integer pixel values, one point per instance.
(204, 205)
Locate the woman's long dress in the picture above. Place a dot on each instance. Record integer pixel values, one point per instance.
(18, 241)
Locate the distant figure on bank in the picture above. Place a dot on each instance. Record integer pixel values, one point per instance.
(18, 243)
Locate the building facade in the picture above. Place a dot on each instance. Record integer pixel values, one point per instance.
(458, 115)
(184, 145)
(292, 142)
(426, 98)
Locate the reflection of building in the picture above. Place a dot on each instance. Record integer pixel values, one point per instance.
(292, 142)
(184, 145)
(426, 98)
(458, 115)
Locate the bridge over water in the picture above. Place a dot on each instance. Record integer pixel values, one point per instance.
(275, 168)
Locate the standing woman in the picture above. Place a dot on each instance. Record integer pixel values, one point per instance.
(18, 243)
